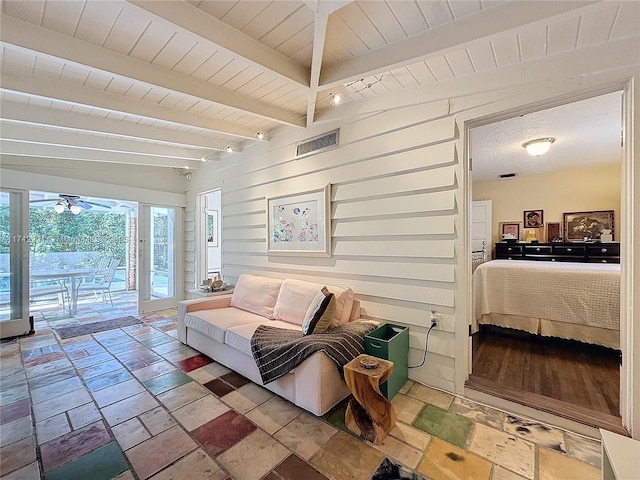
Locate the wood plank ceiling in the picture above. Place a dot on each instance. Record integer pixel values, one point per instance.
(175, 83)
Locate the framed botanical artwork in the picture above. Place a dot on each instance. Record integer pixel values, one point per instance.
(300, 223)
(583, 226)
(554, 232)
(510, 230)
(212, 228)
(533, 218)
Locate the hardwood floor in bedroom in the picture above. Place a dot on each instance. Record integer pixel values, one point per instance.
(567, 378)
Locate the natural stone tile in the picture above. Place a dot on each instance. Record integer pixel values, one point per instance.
(406, 387)
(107, 460)
(83, 415)
(157, 420)
(407, 408)
(27, 472)
(192, 415)
(18, 455)
(253, 457)
(64, 449)
(47, 392)
(305, 435)
(400, 451)
(585, 449)
(247, 397)
(52, 427)
(156, 453)
(182, 395)
(443, 461)
(535, 432)
(155, 369)
(508, 451)
(195, 466)
(446, 425)
(61, 404)
(500, 473)
(209, 372)
(478, 413)
(17, 430)
(346, 457)
(130, 433)
(430, 395)
(125, 409)
(274, 414)
(555, 466)
(118, 392)
(411, 436)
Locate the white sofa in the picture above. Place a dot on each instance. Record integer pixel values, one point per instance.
(221, 327)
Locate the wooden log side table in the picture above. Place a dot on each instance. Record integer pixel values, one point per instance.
(369, 414)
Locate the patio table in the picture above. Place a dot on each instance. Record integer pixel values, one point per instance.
(72, 273)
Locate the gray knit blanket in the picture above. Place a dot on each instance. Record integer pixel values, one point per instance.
(279, 350)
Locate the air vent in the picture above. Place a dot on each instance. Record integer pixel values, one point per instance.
(317, 144)
(507, 175)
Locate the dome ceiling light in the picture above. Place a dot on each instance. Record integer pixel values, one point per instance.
(539, 146)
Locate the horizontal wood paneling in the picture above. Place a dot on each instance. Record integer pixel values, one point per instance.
(393, 220)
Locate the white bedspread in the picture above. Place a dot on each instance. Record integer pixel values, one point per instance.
(579, 293)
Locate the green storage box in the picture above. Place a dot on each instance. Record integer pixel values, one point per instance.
(390, 342)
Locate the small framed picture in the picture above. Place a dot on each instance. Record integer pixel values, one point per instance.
(533, 219)
(510, 231)
(554, 232)
(212, 228)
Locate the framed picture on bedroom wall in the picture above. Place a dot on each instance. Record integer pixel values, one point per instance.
(510, 231)
(554, 232)
(533, 218)
(583, 226)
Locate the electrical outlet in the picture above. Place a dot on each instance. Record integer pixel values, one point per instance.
(434, 319)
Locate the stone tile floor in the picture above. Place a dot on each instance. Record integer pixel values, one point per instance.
(134, 403)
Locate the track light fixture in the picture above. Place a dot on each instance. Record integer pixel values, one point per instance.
(229, 149)
(335, 98)
(259, 135)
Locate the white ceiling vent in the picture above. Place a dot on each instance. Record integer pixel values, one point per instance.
(317, 144)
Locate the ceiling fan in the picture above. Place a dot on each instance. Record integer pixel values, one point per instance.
(71, 202)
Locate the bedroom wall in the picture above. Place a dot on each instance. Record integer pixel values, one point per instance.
(394, 183)
(576, 190)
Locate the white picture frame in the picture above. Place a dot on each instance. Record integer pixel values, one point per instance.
(212, 228)
(300, 223)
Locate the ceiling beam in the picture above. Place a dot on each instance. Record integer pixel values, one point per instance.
(319, 35)
(31, 114)
(608, 57)
(8, 147)
(53, 136)
(206, 26)
(333, 4)
(445, 38)
(111, 102)
(47, 42)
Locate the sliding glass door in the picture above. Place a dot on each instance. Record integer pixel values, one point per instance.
(14, 263)
(160, 257)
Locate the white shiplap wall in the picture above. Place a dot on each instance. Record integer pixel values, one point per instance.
(393, 214)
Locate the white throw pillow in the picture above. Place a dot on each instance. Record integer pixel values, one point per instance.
(256, 294)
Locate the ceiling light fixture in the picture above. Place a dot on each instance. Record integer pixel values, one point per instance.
(335, 98)
(259, 135)
(539, 146)
(229, 149)
(58, 207)
(75, 209)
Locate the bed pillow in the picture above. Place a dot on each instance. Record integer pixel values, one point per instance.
(320, 312)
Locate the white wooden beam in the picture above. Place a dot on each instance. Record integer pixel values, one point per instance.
(319, 35)
(24, 133)
(206, 26)
(611, 56)
(446, 38)
(8, 147)
(333, 4)
(47, 42)
(30, 114)
(79, 95)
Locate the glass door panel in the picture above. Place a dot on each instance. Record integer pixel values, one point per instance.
(14, 263)
(159, 255)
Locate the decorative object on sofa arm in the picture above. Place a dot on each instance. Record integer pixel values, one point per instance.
(320, 312)
(300, 224)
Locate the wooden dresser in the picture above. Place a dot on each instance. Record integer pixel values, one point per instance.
(593, 252)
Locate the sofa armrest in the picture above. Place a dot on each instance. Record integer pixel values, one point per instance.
(197, 304)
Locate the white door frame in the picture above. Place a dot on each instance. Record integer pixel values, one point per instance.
(630, 233)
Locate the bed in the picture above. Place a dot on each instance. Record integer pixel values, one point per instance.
(579, 301)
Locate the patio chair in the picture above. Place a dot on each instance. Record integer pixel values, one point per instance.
(58, 288)
(101, 283)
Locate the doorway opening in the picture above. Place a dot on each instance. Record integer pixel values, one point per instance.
(569, 375)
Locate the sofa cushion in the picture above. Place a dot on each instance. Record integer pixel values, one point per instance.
(240, 337)
(256, 294)
(296, 296)
(214, 323)
(320, 313)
